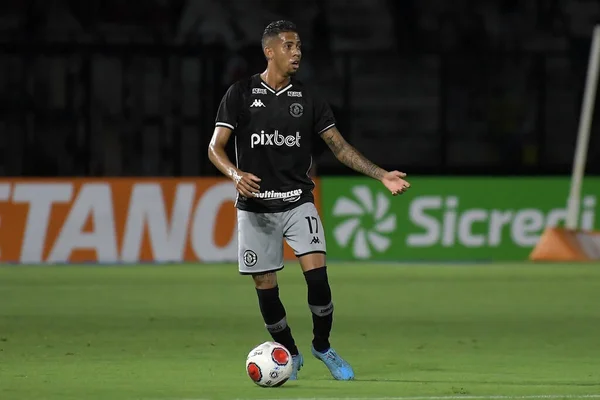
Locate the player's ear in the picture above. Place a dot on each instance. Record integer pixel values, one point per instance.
(268, 51)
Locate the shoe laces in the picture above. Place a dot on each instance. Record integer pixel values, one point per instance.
(332, 355)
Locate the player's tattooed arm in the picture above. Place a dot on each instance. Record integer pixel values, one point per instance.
(349, 156)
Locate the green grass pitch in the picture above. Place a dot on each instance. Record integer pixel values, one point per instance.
(182, 332)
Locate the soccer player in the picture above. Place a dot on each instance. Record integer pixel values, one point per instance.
(275, 120)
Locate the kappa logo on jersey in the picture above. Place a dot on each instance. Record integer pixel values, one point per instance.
(291, 93)
(274, 139)
(257, 103)
(291, 196)
(259, 91)
(315, 240)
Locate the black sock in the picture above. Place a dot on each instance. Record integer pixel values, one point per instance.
(273, 314)
(319, 302)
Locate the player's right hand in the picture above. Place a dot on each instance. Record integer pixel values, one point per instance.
(246, 183)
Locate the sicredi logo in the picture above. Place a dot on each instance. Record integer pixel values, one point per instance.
(479, 227)
(274, 139)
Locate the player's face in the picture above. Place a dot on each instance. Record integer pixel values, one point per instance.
(287, 52)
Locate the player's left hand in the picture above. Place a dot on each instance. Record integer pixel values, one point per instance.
(394, 182)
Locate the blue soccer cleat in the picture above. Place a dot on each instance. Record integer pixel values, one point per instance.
(297, 363)
(339, 368)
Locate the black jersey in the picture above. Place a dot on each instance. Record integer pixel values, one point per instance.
(274, 133)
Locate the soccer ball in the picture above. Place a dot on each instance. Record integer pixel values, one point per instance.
(269, 364)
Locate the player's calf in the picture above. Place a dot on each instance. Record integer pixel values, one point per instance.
(321, 306)
(274, 316)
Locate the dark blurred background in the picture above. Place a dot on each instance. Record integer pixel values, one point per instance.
(128, 88)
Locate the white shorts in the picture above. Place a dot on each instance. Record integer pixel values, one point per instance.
(260, 237)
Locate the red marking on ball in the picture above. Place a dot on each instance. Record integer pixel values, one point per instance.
(280, 356)
(254, 372)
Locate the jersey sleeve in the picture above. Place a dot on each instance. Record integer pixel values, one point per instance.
(229, 108)
(324, 118)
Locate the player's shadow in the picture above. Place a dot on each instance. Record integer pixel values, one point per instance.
(483, 382)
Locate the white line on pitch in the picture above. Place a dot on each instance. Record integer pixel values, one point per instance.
(454, 397)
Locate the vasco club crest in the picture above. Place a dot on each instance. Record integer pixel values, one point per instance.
(296, 110)
(250, 258)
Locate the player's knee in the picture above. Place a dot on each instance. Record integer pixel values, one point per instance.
(265, 281)
(317, 276)
(312, 261)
